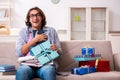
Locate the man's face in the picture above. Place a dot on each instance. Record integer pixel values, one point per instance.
(35, 19)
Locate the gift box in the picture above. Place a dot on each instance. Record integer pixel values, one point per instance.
(83, 70)
(43, 53)
(88, 50)
(87, 57)
(88, 63)
(101, 65)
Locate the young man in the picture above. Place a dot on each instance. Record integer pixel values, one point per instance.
(36, 20)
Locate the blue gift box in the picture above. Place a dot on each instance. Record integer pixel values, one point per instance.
(43, 53)
(88, 50)
(87, 57)
(83, 70)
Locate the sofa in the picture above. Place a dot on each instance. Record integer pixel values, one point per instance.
(66, 60)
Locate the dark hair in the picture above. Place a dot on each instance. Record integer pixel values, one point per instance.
(43, 23)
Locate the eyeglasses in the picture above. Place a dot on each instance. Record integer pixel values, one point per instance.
(34, 15)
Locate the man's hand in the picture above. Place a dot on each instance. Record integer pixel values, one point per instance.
(54, 47)
(40, 37)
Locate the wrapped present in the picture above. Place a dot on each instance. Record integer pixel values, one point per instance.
(42, 50)
(88, 63)
(101, 65)
(43, 53)
(87, 57)
(88, 50)
(83, 70)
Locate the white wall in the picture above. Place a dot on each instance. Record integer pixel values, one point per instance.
(57, 14)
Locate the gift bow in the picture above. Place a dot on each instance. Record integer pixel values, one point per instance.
(46, 53)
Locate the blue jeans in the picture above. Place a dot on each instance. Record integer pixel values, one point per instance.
(47, 72)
